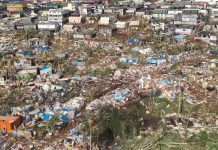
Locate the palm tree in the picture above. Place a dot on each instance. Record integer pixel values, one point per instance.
(6, 64)
(90, 123)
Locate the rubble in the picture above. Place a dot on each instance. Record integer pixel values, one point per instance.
(57, 69)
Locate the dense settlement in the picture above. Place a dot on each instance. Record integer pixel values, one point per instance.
(107, 74)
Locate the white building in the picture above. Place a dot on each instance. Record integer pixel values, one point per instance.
(140, 13)
(207, 37)
(68, 28)
(190, 16)
(160, 13)
(104, 21)
(71, 7)
(184, 30)
(45, 25)
(174, 11)
(189, 19)
(75, 19)
(121, 24)
(158, 25)
(59, 16)
(210, 2)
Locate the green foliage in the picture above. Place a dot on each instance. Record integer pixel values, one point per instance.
(51, 122)
(41, 131)
(85, 120)
(68, 96)
(93, 52)
(211, 146)
(197, 48)
(100, 73)
(25, 76)
(121, 65)
(137, 143)
(69, 71)
(128, 50)
(166, 106)
(201, 139)
(90, 61)
(105, 73)
(162, 105)
(28, 34)
(175, 137)
(121, 122)
(13, 98)
(209, 140)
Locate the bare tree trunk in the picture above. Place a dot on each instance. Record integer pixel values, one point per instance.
(90, 142)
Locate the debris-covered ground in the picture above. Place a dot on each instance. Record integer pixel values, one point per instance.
(140, 85)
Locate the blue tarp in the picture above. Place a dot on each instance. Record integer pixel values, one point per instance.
(25, 53)
(119, 95)
(77, 62)
(39, 47)
(179, 37)
(2, 113)
(64, 118)
(133, 41)
(67, 109)
(174, 58)
(129, 60)
(152, 60)
(133, 60)
(46, 116)
(44, 67)
(124, 60)
(77, 76)
(15, 1)
(165, 82)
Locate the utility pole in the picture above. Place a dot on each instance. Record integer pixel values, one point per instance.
(181, 90)
(90, 142)
(90, 130)
(179, 109)
(160, 145)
